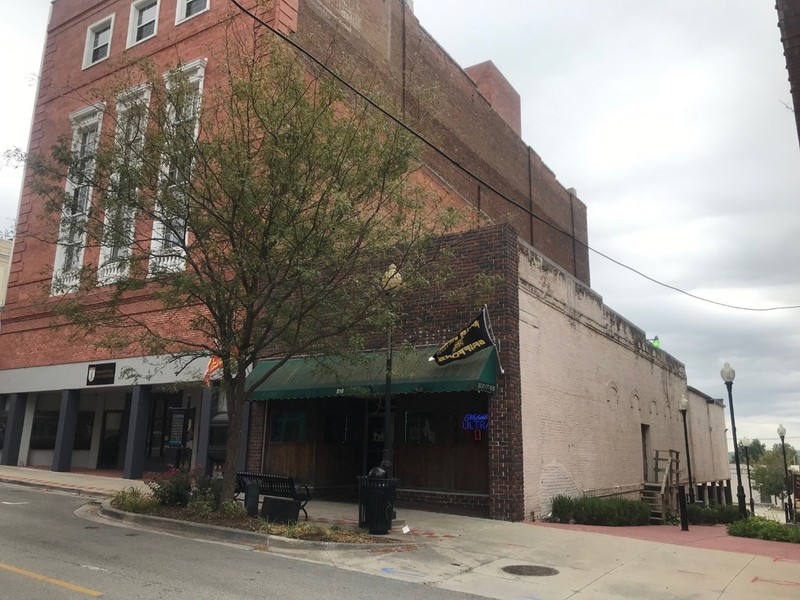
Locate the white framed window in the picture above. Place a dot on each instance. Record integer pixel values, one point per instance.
(98, 42)
(143, 23)
(120, 219)
(171, 227)
(189, 8)
(77, 201)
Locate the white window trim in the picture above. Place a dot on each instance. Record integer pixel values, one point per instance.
(89, 47)
(109, 270)
(133, 22)
(181, 11)
(63, 282)
(173, 259)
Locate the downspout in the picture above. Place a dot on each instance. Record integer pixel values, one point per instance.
(403, 99)
(530, 193)
(264, 436)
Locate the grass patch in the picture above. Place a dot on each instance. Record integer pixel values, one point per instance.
(133, 500)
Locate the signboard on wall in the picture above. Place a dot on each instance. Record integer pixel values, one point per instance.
(101, 374)
(796, 488)
(178, 427)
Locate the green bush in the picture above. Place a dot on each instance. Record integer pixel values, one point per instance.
(208, 489)
(561, 509)
(181, 487)
(202, 503)
(600, 511)
(711, 515)
(172, 488)
(701, 515)
(727, 513)
(232, 509)
(132, 500)
(765, 529)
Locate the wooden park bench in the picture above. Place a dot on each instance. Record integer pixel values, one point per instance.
(283, 499)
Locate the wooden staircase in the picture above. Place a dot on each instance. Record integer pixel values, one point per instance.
(661, 493)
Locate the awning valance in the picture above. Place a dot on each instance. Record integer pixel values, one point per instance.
(412, 372)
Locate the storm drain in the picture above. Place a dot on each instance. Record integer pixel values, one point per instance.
(530, 570)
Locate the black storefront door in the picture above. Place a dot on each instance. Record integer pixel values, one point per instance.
(110, 454)
(157, 433)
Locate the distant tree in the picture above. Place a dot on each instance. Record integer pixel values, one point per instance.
(279, 201)
(755, 450)
(769, 476)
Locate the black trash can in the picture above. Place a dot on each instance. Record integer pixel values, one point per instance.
(376, 502)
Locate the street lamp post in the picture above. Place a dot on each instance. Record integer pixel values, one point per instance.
(782, 434)
(746, 448)
(391, 282)
(684, 406)
(728, 375)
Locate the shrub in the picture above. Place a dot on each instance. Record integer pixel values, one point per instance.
(561, 509)
(202, 503)
(132, 500)
(600, 511)
(181, 487)
(701, 515)
(209, 489)
(728, 513)
(172, 488)
(765, 529)
(232, 509)
(711, 515)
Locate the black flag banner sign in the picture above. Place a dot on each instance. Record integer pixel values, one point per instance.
(468, 341)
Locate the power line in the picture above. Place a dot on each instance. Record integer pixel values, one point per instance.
(481, 181)
(679, 290)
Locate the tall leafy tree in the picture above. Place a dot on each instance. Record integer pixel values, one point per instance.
(769, 475)
(258, 216)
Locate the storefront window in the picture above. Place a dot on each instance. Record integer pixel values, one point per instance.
(337, 428)
(3, 420)
(471, 427)
(45, 428)
(290, 426)
(420, 428)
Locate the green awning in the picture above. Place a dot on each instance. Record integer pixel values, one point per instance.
(412, 372)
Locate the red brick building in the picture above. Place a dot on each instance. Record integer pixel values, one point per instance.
(466, 443)
(789, 24)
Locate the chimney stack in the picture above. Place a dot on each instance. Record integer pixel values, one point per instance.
(499, 92)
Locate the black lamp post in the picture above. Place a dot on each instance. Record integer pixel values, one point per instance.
(684, 406)
(746, 448)
(391, 281)
(782, 434)
(728, 375)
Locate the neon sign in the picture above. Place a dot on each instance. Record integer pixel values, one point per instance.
(475, 421)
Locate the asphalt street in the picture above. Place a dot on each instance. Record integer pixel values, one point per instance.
(40, 537)
(48, 552)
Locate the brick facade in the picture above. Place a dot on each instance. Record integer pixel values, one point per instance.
(379, 45)
(789, 24)
(577, 384)
(592, 389)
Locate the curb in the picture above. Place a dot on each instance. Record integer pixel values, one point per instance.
(58, 488)
(226, 534)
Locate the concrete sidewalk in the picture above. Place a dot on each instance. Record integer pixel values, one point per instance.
(469, 554)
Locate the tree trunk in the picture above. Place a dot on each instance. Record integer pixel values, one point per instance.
(236, 402)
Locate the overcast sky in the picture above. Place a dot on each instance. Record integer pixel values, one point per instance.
(669, 120)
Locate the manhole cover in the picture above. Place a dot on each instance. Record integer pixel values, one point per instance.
(530, 570)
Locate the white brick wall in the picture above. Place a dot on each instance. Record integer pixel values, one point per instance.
(589, 383)
(708, 445)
